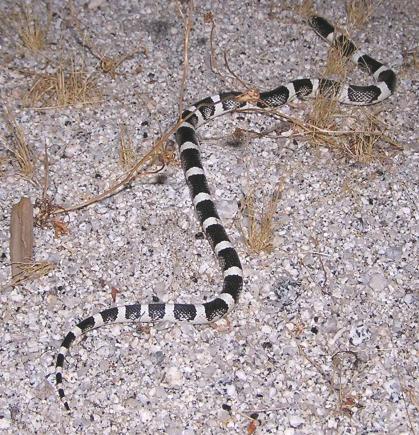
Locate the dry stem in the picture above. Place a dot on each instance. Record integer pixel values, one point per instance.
(127, 153)
(149, 158)
(187, 27)
(108, 64)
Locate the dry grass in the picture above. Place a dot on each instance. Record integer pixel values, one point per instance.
(359, 12)
(31, 26)
(337, 63)
(163, 152)
(362, 145)
(356, 132)
(323, 113)
(306, 8)
(109, 65)
(69, 85)
(258, 232)
(410, 61)
(127, 154)
(30, 272)
(20, 149)
(342, 380)
(325, 106)
(345, 365)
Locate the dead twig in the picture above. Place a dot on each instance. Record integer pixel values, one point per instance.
(21, 235)
(133, 173)
(187, 18)
(108, 64)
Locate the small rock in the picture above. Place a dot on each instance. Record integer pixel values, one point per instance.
(94, 4)
(5, 423)
(132, 403)
(227, 208)
(409, 298)
(331, 325)
(393, 389)
(145, 415)
(295, 421)
(174, 377)
(394, 252)
(358, 334)
(377, 282)
(240, 374)
(231, 390)
(72, 149)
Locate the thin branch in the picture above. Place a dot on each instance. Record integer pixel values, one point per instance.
(187, 27)
(132, 173)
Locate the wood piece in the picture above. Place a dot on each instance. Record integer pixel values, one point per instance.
(21, 236)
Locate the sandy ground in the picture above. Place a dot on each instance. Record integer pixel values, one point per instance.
(323, 340)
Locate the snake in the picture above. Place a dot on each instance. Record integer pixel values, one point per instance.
(384, 82)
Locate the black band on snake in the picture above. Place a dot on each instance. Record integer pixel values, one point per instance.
(189, 149)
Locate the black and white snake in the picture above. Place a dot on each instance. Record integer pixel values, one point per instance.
(194, 117)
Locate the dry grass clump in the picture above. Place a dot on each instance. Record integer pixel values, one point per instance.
(410, 60)
(69, 85)
(18, 146)
(355, 132)
(29, 25)
(306, 8)
(29, 272)
(323, 112)
(362, 144)
(258, 232)
(127, 154)
(325, 106)
(337, 62)
(358, 136)
(359, 12)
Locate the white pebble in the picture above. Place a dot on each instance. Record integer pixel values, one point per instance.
(227, 209)
(295, 421)
(145, 415)
(241, 375)
(378, 282)
(174, 377)
(231, 390)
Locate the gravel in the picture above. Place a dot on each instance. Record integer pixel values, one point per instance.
(324, 339)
